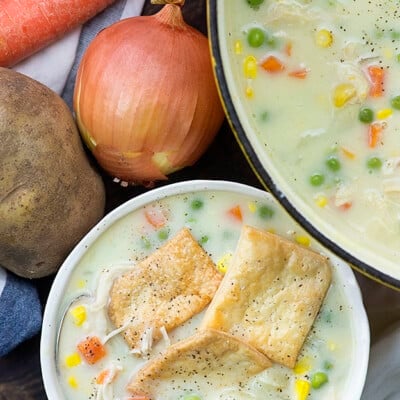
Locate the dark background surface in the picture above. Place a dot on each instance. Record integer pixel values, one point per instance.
(20, 375)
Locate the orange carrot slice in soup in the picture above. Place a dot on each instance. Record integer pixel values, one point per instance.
(92, 349)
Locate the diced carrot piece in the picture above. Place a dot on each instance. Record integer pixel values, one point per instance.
(236, 212)
(348, 153)
(102, 376)
(288, 49)
(346, 206)
(300, 73)
(273, 65)
(374, 134)
(155, 218)
(139, 397)
(376, 76)
(92, 349)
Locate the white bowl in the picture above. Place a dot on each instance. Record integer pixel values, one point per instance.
(107, 232)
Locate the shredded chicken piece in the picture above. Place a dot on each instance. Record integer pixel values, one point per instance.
(115, 332)
(350, 72)
(344, 195)
(146, 343)
(105, 390)
(390, 165)
(289, 12)
(165, 336)
(375, 198)
(106, 280)
(391, 185)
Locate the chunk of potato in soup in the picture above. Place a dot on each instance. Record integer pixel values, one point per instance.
(320, 82)
(215, 219)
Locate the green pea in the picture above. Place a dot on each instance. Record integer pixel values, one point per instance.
(366, 115)
(328, 317)
(374, 163)
(264, 116)
(255, 37)
(196, 204)
(328, 365)
(317, 179)
(395, 35)
(265, 212)
(204, 239)
(255, 3)
(145, 242)
(319, 379)
(333, 163)
(271, 41)
(395, 102)
(191, 397)
(163, 234)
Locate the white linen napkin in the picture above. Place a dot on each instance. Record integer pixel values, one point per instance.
(52, 66)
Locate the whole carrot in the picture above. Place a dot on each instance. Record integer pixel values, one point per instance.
(27, 26)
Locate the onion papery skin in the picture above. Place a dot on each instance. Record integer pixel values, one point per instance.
(146, 101)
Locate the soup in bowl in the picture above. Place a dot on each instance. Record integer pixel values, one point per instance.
(203, 290)
(312, 90)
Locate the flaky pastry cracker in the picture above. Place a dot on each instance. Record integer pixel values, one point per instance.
(209, 356)
(270, 295)
(167, 288)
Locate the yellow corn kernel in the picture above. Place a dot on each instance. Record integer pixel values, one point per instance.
(321, 201)
(72, 360)
(223, 263)
(249, 92)
(252, 207)
(250, 67)
(302, 366)
(388, 53)
(331, 345)
(302, 388)
(343, 93)
(303, 240)
(72, 381)
(81, 284)
(323, 38)
(78, 314)
(384, 113)
(238, 47)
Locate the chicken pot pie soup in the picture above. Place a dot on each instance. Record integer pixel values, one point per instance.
(148, 300)
(316, 85)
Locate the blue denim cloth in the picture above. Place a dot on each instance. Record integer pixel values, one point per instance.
(20, 313)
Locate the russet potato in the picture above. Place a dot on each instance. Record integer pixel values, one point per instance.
(50, 195)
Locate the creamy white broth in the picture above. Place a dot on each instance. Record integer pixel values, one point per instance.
(329, 347)
(299, 124)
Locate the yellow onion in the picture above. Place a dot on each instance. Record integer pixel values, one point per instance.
(145, 99)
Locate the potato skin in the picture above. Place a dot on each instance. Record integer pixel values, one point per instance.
(50, 195)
